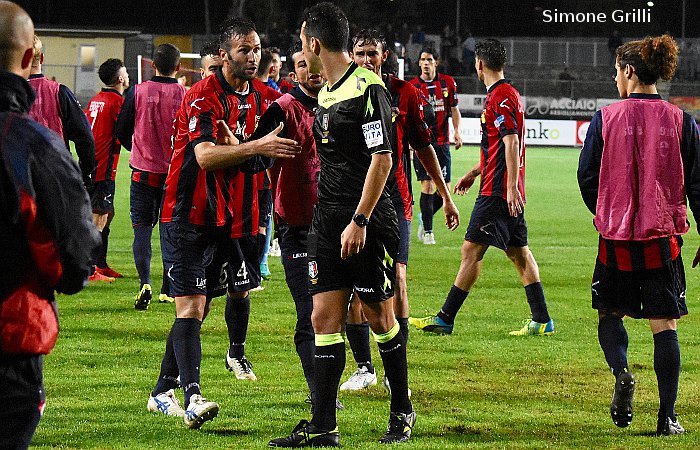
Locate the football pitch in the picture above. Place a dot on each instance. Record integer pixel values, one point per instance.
(478, 388)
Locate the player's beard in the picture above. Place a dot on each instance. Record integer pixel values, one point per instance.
(238, 70)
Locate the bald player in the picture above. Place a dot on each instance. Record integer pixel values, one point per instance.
(49, 234)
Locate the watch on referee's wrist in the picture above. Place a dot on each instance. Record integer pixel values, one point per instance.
(360, 220)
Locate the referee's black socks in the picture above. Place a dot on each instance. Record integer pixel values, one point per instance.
(329, 363)
(392, 348)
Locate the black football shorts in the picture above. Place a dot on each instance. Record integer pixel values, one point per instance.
(491, 224)
(369, 273)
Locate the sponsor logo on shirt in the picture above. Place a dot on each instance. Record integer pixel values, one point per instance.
(193, 124)
(374, 133)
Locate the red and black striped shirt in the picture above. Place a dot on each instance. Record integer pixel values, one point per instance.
(441, 92)
(409, 127)
(503, 115)
(102, 112)
(191, 193)
(630, 256)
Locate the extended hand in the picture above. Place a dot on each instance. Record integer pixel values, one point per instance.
(352, 240)
(274, 146)
(458, 141)
(464, 184)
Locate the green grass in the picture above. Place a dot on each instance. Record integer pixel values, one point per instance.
(478, 388)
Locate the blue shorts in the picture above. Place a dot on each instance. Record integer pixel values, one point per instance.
(404, 235)
(102, 197)
(196, 258)
(144, 203)
(244, 264)
(491, 224)
(444, 159)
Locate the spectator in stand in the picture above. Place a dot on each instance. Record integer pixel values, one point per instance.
(418, 36)
(403, 36)
(564, 82)
(468, 46)
(47, 235)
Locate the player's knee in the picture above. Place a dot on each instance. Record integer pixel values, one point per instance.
(472, 252)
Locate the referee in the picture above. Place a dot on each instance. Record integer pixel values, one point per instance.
(353, 225)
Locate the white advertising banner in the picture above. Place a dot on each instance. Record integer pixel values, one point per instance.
(537, 132)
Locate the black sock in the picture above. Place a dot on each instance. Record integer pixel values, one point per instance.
(667, 365)
(403, 325)
(538, 305)
(358, 338)
(237, 314)
(437, 202)
(102, 256)
(187, 347)
(304, 340)
(613, 340)
(167, 379)
(142, 252)
(452, 304)
(426, 211)
(329, 364)
(393, 353)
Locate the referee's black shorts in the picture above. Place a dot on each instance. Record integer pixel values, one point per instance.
(370, 273)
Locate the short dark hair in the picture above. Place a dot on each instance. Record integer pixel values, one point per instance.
(369, 36)
(293, 49)
(210, 48)
(492, 52)
(232, 28)
(265, 62)
(275, 50)
(166, 57)
(430, 50)
(327, 23)
(109, 71)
